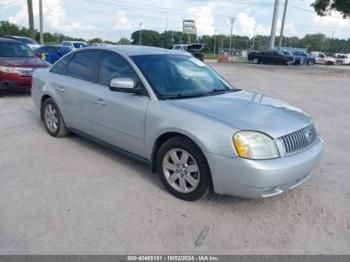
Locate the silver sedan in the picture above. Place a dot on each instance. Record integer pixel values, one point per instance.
(172, 111)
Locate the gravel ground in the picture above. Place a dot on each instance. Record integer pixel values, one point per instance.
(70, 196)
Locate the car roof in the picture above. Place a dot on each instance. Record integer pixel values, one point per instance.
(16, 37)
(133, 50)
(67, 41)
(10, 40)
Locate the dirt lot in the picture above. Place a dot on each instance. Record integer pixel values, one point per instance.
(70, 196)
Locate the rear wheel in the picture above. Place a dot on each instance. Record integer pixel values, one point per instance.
(256, 61)
(183, 169)
(53, 119)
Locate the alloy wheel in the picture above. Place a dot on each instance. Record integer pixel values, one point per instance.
(51, 118)
(181, 170)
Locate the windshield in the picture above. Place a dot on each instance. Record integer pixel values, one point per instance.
(79, 45)
(15, 50)
(179, 75)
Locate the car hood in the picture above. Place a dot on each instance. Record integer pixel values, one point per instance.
(248, 111)
(22, 62)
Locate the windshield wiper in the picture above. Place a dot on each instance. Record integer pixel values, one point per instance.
(191, 95)
(183, 95)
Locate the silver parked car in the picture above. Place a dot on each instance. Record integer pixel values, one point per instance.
(176, 113)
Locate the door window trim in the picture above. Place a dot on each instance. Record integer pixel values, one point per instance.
(146, 93)
(95, 72)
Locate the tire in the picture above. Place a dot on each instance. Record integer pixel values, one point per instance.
(189, 172)
(1, 93)
(52, 118)
(256, 61)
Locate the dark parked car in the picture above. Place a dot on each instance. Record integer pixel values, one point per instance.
(52, 53)
(197, 50)
(270, 57)
(17, 63)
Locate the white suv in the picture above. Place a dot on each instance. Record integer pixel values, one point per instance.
(343, 59)
(322, 58)
(74, 44)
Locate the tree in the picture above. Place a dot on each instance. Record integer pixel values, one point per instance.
(95, 40)
(324, 7)
(148, 38)
(124, 41)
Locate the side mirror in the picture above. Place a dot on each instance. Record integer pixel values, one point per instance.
(126, 85)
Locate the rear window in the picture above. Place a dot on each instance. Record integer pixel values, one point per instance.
(60, 66)
(8, 49)
(28, 41)
(83, 65)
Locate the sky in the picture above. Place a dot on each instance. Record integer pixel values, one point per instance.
(114, 19)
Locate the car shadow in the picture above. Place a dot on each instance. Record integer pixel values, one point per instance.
(141, 168)
(16, 94)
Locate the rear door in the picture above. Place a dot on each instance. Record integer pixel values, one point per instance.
(118, 117)
(81, 75)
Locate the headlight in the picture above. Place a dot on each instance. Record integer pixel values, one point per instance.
(10, 69)
(255, 145)
(25, 71)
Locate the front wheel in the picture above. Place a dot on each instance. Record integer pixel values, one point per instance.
(183, 169)
(52, 118)
(256, 61)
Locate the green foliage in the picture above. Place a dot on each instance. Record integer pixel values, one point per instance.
(324, 7)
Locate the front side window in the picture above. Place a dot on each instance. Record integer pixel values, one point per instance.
(83, 65)
(113, 66)
(179, 75)
(8, 49)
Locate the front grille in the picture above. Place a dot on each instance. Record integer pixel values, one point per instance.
(300, 139)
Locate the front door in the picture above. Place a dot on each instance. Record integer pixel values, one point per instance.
(117, 117)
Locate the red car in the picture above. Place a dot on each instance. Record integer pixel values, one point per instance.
(17, 63)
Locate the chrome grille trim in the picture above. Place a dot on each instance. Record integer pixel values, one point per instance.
(299, 139)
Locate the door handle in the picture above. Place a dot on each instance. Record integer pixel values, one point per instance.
(100, 101)
(60, 88)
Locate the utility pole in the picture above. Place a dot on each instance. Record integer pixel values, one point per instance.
(41, 22)
(31, 18)
(274, 25)
(222, 45)
(232, 20)
(215, 31)
(253, 46)
(282, 26)
(166, 26)
(140, 34)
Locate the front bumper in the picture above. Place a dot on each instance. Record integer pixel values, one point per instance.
(263, 178)
(13, 81)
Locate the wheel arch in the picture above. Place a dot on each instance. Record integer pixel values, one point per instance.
(42, 101)
(161, 139)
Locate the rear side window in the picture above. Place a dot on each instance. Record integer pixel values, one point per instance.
(113, 66)
(59, 67)
(83, 65)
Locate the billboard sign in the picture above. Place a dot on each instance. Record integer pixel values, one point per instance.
(189, 26)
